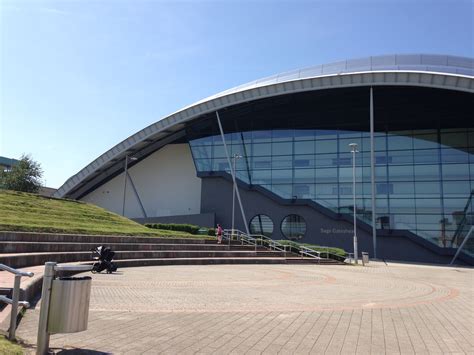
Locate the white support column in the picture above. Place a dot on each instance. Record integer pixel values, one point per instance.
(232, 173)
(372, 172)
(124, 185)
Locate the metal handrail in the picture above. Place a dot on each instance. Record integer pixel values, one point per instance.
(5, 299)
(255, 239)
(271, 243)
(15, 271)
(310, 252)
(471, 230)
(462, 223)
(15, 300)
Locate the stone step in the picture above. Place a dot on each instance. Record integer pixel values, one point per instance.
(41, 247)
(99, 239)
(322, 261)
(20, 260)
(198, 261)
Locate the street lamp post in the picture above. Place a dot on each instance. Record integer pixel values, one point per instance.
(234, 157)
(125, 181)
(354, 150)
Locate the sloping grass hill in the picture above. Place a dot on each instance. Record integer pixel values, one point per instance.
(26, 212)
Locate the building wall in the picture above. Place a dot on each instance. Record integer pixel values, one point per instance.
(166, 183)
(320, 228)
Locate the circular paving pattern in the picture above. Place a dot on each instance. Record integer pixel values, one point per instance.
(257, 288)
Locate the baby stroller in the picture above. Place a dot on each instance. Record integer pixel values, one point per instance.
(104, 256)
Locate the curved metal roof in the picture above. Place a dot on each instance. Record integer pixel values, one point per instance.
(437, 71)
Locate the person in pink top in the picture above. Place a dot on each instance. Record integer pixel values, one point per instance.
(219, 234)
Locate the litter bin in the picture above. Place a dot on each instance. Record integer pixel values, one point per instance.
(69, 304)
(365, 258)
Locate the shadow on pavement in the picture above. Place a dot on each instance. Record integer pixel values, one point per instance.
(78, 352)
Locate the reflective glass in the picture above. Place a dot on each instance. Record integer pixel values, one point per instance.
(455, 172)
(293, 227)
(457, 139)
(261, 225)
(421, 184)
(304, 147)
(425, 141)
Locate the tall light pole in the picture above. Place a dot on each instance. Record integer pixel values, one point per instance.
(125, 181)
(354, 150)
(234, 157)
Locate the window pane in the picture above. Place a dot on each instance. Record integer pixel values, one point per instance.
(261, 224)
(282, 162)
(427, 156)
(304, 147)
(456, 172)
(400, 173)
(425, 141)
(329, 146)
(454, 156)
(426, 172)
(399, 142)
(282, 148)
(293, 227)
(282, 176)
(261, 149)
(457, 139)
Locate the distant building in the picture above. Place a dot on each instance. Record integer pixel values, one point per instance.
(290, 134)
(7, 163)
(47, 191)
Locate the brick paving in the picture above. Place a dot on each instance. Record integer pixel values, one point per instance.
(276, 309)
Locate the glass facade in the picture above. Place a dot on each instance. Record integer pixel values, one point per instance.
(424, 176)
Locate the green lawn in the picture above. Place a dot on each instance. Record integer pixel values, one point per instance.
(21, 211)
(7, 347)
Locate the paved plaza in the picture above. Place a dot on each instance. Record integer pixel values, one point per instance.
(270, 309)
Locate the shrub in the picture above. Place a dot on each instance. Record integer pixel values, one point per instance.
(211, 232)
(189, 228)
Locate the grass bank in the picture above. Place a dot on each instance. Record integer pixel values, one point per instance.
(7, 347)
(26, 212)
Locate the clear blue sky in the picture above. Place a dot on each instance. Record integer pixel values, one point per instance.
(77, 77)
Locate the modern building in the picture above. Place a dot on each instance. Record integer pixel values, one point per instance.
(6, 164)
(411, 117)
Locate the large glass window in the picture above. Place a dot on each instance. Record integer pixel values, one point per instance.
(424, 177)
(293, 227)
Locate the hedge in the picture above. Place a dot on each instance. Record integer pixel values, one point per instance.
(190, 228)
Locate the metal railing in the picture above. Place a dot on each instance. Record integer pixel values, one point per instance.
(15, 300)
(269, 243)
(238, 235)
(463, 222)
(468, 235)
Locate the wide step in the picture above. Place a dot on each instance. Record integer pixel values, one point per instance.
(43, 247)
(30, 259)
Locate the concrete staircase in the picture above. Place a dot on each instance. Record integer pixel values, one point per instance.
(22, 250)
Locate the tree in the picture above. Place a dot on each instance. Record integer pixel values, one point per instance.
(25, 176)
